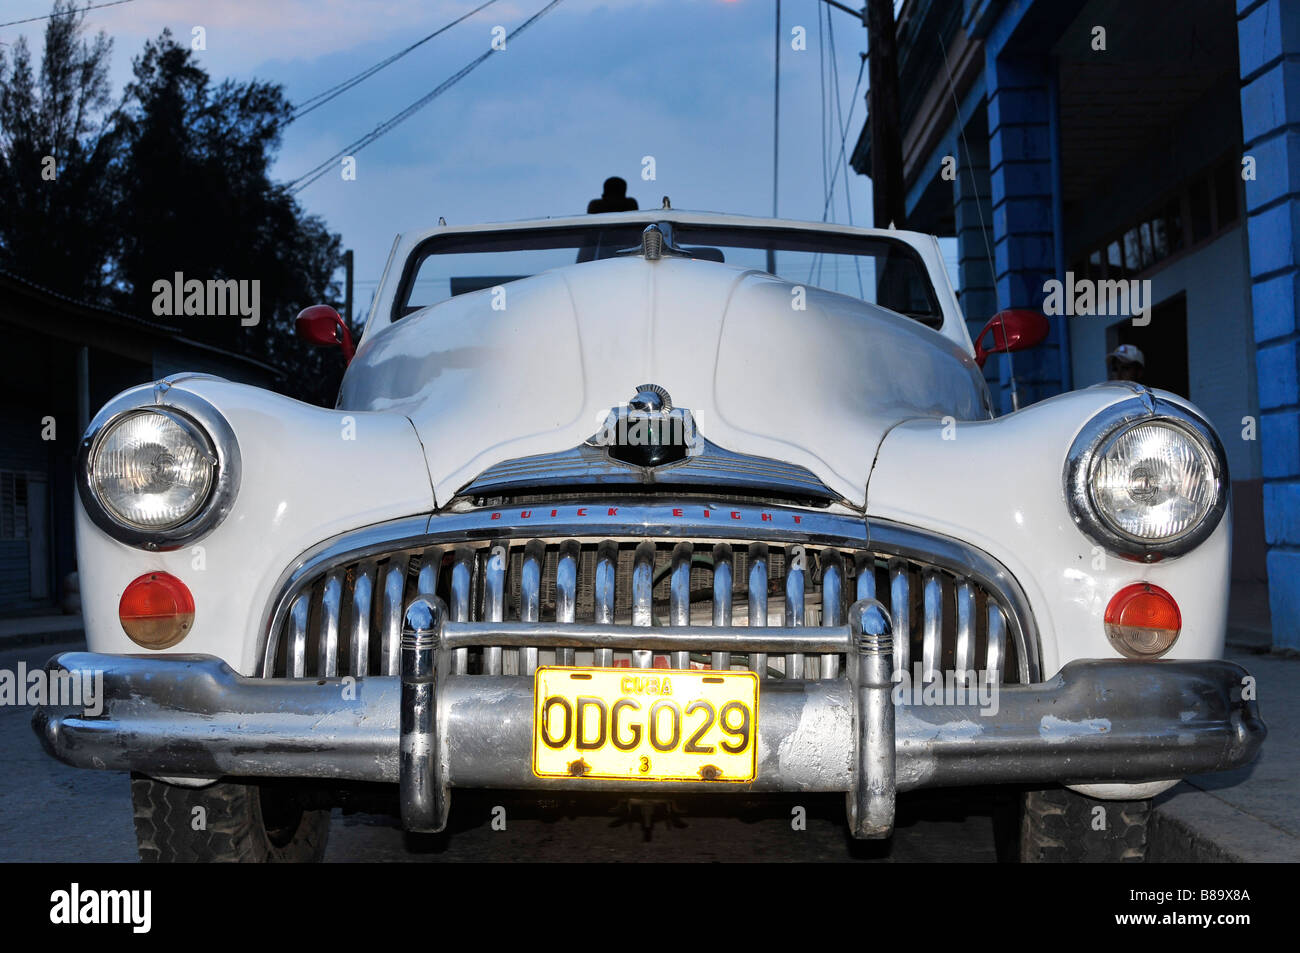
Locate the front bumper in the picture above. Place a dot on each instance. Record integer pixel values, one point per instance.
(428, 731)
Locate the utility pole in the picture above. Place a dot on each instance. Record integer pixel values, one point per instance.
(776, 132)
(887, 199)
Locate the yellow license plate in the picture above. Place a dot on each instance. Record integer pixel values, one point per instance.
(647, 724)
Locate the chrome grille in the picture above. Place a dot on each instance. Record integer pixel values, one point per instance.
(345, 617)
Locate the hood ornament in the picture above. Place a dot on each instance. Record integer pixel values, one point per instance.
(648, 431)
(656, 242)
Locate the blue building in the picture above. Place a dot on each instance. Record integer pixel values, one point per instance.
(1153, 142)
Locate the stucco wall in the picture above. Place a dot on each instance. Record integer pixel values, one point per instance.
(1220, 341)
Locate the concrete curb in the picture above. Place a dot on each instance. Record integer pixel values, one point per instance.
(1191, 825)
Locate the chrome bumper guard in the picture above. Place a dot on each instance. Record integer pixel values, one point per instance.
(428, 730)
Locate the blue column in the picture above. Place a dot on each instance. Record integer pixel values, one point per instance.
(1020, 170)
(1268, 39)
(973, 211)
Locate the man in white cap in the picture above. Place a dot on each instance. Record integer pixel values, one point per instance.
(1125, 363)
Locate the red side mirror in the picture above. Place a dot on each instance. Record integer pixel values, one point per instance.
(1016, 329)
(321, 325)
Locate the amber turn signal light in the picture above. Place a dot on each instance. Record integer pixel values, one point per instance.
(156, 611)
(1142, 621)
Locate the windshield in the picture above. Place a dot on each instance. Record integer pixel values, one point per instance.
(882, 271)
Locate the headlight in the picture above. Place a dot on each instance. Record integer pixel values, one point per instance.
(1147, 484)
(158, 473)
(153, 469)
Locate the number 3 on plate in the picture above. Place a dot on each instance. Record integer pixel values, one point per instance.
(645, 765)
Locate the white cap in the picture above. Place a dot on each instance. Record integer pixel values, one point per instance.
(1128, 353)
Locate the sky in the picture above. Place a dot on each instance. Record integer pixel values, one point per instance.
(586, 92)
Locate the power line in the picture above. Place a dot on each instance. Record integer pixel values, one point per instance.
(320, 99)
(300, 183)
(69, 13)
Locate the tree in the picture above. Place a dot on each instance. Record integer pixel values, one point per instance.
(172, 178)
(195, 175)
(58, 156)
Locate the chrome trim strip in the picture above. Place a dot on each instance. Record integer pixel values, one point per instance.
(774, 639)
(589, 466)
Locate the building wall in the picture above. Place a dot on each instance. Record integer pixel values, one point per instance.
(1220, 342)
(1268, 34)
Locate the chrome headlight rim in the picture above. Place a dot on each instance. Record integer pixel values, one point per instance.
(197, 416)
(1099, 433)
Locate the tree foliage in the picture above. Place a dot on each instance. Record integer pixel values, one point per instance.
(174, 177)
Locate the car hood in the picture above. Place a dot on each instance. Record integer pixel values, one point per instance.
(535, 366)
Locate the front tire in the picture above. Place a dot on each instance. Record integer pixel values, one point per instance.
(1061, 826)
(225, 822)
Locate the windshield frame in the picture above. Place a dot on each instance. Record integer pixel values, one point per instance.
(821, 239)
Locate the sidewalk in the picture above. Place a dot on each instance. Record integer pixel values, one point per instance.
(40, 630)
(1252, 813)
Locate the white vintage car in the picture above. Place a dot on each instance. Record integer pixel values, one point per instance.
(652, 502)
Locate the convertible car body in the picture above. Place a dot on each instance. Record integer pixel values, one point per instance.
(653, 502)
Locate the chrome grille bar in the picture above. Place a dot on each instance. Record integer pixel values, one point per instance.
(964, 654)
(494, 601)
(900, 605)
(795, 563)
(296, 657)
(679, 597)
(566, 594)
(530, 596)
(331, 604)
(603, 595)
(643, 575)
(390, 649)
(362, 596)
(462, 591)
(995, 658)
(758, 556)
(722, 584)
(832, 605)
(932, 613)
